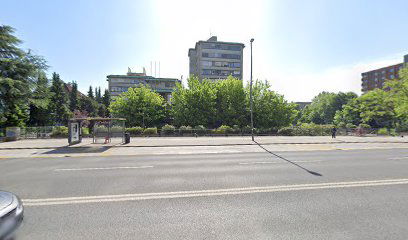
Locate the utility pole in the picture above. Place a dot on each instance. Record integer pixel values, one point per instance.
(250, 98)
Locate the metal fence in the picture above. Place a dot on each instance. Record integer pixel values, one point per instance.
(36, 132)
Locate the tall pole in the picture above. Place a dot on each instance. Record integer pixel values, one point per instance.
(250, 98)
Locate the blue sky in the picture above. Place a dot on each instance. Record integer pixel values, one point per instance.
(301, 47)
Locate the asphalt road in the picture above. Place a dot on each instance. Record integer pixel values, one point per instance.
(357, 194)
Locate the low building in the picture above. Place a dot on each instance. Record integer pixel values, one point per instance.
(120, 83)
(376, 78)
(213, 59)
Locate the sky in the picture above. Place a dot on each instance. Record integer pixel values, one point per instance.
(301, 47)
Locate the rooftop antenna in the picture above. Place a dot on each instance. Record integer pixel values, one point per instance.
(151, 69)
(154, 68)
(159, 68)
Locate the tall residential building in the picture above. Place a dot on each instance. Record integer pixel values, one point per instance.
(376, 78)
(213, 59)
(120, 83)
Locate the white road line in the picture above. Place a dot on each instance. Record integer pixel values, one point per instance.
(398, 158)
(105, 168)
(281, 162)
(207, 193)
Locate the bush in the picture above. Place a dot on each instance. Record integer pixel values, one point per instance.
(286, 131)
(350, 125)
(150, 131)
(306, 129)
(60, 131)
(185, 129)
(168, 129)
(134, 131)
(246, 129)
(364, 126)
(224, 129)
(100, 129)
(402, 127)
(85, 131)
(382, 131)
(200, 130)
(236, 129)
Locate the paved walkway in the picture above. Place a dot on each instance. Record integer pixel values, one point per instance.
(188, 145)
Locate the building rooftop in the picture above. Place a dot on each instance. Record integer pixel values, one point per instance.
(379, 69)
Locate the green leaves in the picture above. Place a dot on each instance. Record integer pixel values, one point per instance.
(226, 102)
(324, 106)
(140, 106)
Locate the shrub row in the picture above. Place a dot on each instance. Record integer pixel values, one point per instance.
(306, 129)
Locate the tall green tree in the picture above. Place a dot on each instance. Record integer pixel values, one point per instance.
(324, 107)
(270, 110)
(73, 97)
(91, 93)
(230, 97)
(98, 96)
(59, 108)
(373, 108)
(40, 102)
(18, 71)
(106, 98)
(89, 105)
(398, 93)
(195, 105)
(140, 106)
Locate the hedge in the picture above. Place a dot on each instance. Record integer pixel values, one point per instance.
(150, 131)
(134, 131)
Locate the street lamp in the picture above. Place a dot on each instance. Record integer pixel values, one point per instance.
(250, 97)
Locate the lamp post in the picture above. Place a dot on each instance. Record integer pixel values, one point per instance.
(250, 97)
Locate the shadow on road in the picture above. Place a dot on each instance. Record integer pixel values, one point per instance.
(297, 165)
(66, 150)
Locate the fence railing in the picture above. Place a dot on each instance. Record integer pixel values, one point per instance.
(50, 132)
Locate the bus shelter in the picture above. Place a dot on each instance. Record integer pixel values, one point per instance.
(102, 129)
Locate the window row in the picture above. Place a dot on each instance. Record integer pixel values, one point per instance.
(215, 72)
(221, 55)
(221, 46)
(220, 64)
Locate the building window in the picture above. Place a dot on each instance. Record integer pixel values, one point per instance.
(221, 55)
(206, 63)
(392, 76)
(169, 84)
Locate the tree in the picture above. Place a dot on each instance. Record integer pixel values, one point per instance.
(98, 96)
(398, 93)
(140, 106)
(230, 97)
(18, 71)
(90, 92)
(324, 107)
(195, 105)
(40, 102)
(373, 108)
(73, 97)
(59, 109)
(89, 105)
(106, 98)
(270, 110)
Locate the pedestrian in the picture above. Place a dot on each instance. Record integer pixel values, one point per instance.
(334, 130)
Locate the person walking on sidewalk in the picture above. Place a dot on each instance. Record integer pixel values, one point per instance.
(334, 131)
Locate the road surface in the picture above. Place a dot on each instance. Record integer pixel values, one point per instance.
(355, 194)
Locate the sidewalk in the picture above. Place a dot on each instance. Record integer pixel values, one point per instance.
(192, 145)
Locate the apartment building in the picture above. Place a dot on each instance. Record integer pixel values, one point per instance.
(376, 78)
(120, 83)
(214, 60)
